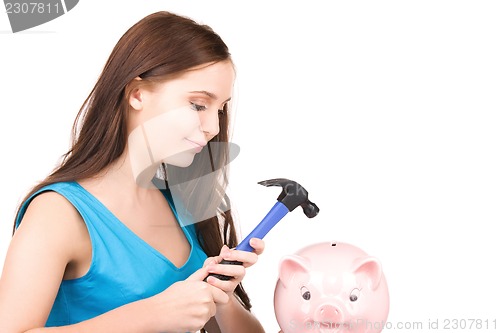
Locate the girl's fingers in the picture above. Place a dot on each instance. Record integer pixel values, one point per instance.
(247, 258)
(213, 265)
(212, 260)
(236, 271)
(226, 286)
(258, 245)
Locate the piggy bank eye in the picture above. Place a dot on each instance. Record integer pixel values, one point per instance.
(306, 294)
(354, 295)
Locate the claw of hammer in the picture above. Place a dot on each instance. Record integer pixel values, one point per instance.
(292, 195)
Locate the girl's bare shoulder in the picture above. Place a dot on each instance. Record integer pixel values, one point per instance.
(52, 220)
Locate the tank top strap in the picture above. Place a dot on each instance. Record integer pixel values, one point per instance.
(66, 189)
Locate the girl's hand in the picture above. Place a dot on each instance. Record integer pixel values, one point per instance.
(236, 271)
(185, 306)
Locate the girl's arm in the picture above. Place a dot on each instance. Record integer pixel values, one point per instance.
(52, 236)
(43, 245)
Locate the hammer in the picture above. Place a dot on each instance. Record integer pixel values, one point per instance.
(292, 196)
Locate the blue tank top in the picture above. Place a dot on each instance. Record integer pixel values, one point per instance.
(124, 267)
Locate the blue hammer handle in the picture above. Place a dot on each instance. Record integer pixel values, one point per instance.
(276, 213)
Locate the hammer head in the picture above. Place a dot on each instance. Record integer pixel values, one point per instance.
(293, 195)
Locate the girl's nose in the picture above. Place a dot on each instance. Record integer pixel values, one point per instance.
(210, 123)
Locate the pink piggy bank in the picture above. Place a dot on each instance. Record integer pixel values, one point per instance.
(331, 287)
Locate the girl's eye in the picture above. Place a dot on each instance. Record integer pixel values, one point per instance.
(198, 107)
(222, 110)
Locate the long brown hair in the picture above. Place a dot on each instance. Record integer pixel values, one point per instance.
(160, 46)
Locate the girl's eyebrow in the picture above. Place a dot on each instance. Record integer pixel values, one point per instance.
(209, 94)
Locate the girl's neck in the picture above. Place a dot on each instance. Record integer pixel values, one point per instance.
(120, 179)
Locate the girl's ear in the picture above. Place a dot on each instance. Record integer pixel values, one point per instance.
(135, 96)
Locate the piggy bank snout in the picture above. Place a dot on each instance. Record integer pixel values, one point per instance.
(329, 313)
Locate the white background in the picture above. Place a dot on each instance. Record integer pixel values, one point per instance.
(386, 111)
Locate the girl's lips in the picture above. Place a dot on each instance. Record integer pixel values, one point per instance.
(198, 146)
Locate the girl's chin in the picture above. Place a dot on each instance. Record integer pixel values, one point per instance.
(182, 160)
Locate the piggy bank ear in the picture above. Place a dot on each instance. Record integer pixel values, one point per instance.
(368, 270)
(290, 267)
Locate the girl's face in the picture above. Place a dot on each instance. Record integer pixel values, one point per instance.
(176, 119)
